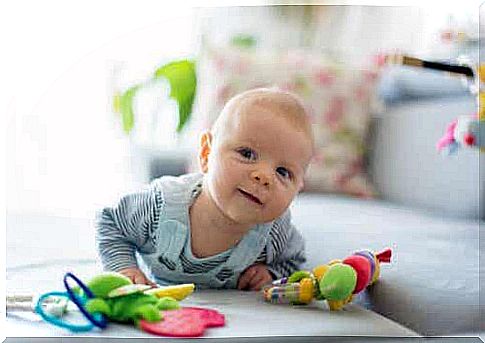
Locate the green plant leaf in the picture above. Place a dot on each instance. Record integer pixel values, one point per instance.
(243, 41)
(125, 103)
(182, 79)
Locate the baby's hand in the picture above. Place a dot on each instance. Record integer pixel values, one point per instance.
(137, 276)
(254, 278)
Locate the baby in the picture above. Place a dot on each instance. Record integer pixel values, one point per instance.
(228, 226)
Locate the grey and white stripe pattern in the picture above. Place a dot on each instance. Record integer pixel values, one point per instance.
(287, 250)
(224, 274)
(130, 226)
(192, 267)
(287, 247)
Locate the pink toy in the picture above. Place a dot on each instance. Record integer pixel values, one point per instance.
(465, 131)
(448, 139)
(184, 322)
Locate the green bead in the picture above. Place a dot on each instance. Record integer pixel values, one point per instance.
(298, 275)
(338, 282)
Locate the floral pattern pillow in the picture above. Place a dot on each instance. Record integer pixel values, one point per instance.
(338, 99)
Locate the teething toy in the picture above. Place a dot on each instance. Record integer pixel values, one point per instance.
(112, 296)
(184, 322)
(178, 292)
(336, 282)
(93, 319)
(115, 296)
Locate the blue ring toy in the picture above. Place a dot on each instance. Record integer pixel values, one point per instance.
(56, 321)
(101, 322)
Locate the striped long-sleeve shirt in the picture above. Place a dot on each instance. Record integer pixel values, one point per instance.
(130, 227)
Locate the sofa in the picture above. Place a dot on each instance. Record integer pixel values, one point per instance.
(428, 212)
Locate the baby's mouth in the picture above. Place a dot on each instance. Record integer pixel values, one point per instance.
(250, 197)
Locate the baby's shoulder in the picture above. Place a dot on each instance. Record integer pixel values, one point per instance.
(283, 222)
(174, 184)
(175, 190)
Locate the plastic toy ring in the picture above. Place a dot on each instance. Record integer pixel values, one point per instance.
(56, 321)
(101, 322)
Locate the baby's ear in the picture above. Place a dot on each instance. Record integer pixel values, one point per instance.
(301, 186)
(204, 151)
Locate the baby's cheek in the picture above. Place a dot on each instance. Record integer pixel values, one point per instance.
(280, 204)
(233, 172)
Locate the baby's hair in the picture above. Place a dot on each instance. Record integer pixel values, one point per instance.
(287, 104)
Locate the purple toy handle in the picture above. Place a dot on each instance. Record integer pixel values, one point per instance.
(101, 323)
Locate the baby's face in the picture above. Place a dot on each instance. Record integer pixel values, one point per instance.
(256, 165)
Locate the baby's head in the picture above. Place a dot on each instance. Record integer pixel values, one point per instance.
(256, 155)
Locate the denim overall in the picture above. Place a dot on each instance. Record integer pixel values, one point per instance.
(172, 239)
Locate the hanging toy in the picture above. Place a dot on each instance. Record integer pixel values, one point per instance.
(463, 132)
(336, 282)
(467, 131)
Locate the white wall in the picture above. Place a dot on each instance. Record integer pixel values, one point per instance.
(66, 153)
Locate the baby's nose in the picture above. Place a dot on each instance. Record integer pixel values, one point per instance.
(261, 177)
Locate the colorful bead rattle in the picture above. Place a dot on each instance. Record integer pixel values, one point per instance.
(335, 282)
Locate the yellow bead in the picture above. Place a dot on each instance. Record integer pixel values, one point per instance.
(334, 262)
(319, 271)
(306, 290)
(377, 270)
(335, 305)
(349, 299)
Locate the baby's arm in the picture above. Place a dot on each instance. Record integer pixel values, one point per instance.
(136, 276)
(254, 277)
(123, 229)
(288, 249)
(285, 252)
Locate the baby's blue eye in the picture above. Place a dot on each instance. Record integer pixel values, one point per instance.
(283, 172)
(247, 153)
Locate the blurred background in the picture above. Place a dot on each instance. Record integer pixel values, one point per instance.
(104, 96)
(69, 151)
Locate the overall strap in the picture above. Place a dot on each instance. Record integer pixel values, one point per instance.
(173, 229)
(178, 193)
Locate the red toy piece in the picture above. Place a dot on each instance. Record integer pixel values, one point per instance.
(384, 256)
(184, 322)
(212, 318)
